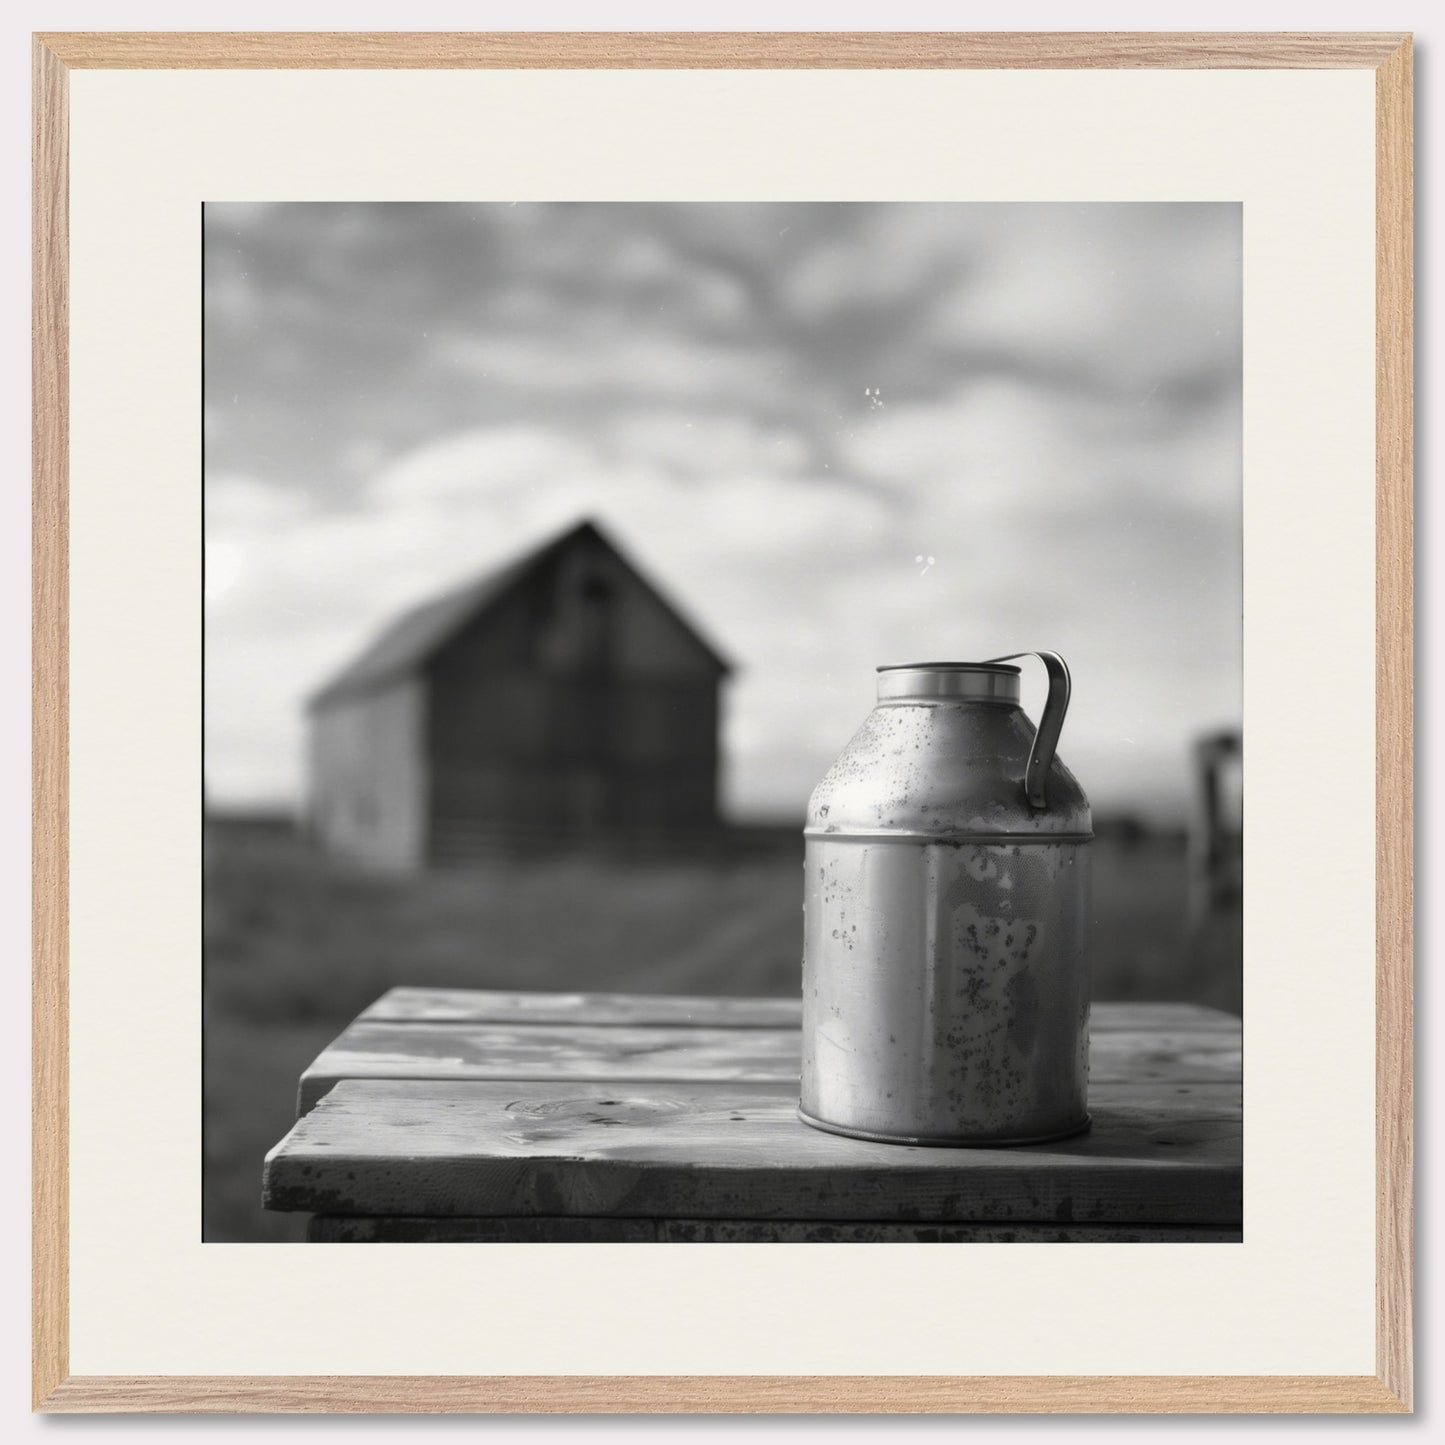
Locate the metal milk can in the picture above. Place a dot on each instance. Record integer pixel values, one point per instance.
(945, 952)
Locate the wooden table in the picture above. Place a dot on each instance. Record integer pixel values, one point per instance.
(466, 1116)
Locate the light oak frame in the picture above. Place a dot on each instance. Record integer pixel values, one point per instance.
(1389, 56)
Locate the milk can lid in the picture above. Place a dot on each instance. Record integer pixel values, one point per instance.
(949, 667)
(960, 681)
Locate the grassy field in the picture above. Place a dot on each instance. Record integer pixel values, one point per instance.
(296, 946)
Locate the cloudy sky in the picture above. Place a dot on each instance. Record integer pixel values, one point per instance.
(836, 435)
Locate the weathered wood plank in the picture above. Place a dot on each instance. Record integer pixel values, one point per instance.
(737, 1151)
(543, 1051)
(468, 1005)
(540, 1229)
(540, 1052)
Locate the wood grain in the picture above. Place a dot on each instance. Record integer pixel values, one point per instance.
(727, 1394)
(544, 1052)
(543, 1229)
(541, 1052)
(50, 702)
(737, 1151)
(701, 50)
(1394, 712)
(467, 1005)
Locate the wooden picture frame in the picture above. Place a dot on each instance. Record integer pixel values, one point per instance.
(1389, 1389)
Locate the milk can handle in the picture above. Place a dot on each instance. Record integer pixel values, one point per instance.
(1051, 724)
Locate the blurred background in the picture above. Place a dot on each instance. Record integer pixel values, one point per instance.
(761, 448)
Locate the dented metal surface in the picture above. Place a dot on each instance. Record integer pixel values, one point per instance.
(945, 960)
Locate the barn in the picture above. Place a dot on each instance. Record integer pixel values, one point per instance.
(560, 698)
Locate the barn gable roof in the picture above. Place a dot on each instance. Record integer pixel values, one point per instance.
(419, 633)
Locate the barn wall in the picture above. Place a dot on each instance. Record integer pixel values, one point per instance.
(543, 717)
(369, 776)
(542, 624)
(547, 752)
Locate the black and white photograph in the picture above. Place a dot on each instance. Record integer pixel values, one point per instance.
(722, 722)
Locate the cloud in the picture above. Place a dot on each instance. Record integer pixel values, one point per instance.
(499, 461)
(1137, 297)
(1009, 444)
(892, 257)
(646, 362)
(706, 443)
